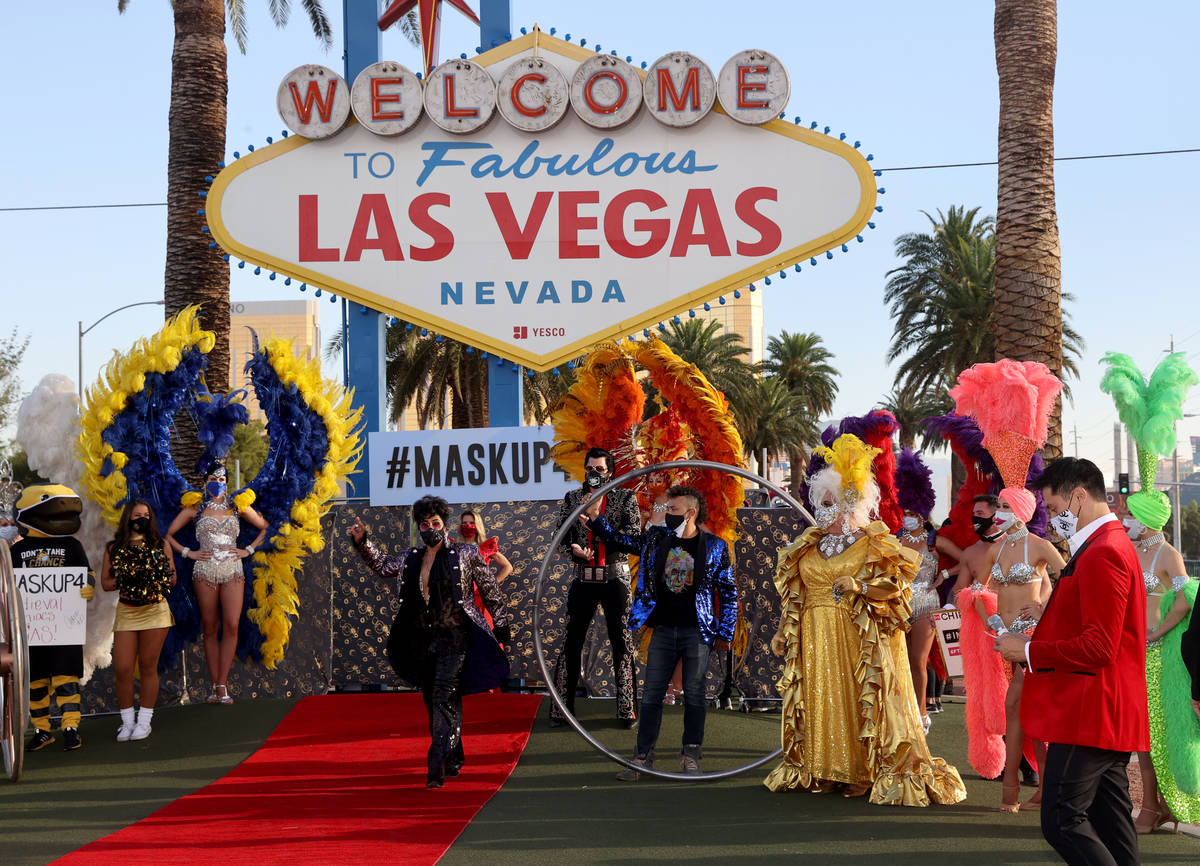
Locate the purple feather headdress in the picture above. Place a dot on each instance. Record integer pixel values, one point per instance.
(914, 484)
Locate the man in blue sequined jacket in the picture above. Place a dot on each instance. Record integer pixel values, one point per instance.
(686, 592)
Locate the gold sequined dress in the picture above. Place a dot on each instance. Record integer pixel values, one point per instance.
(849, 714)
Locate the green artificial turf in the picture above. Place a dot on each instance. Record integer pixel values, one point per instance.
(66, 799)
(562, 804)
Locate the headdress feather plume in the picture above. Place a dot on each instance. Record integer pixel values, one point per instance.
(914, 483)
(851, 458)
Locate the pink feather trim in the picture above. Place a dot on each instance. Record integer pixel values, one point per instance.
(983, 674)
(1017, 396)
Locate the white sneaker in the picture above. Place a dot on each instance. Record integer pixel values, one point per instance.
(124, 732)
(926, 723)
(140, 732)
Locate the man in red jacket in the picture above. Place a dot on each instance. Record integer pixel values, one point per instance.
(1085, 693)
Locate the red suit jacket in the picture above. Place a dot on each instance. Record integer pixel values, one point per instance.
(1087, 680)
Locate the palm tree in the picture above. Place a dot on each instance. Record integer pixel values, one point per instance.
(1028, 309)
(942, 301)
(196, 120)
(781, 422)
(910, 410)
(723, 359)
(802, 364)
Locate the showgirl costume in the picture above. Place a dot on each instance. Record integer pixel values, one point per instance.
(1011, 401)
(1149, 410)
(914, 492)
(218, 533)
(143, 577)
(849, 714)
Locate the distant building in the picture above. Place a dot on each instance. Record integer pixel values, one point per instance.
(742, 316)
(297, 321)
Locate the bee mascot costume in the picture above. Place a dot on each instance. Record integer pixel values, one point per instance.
(49, 517)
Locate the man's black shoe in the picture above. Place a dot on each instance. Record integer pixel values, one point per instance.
(629, 724)
(40, 740)
(1030, 779)
(435, 782)
(71, 739)
(556, 722)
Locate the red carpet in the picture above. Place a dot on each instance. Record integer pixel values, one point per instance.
(341, 780)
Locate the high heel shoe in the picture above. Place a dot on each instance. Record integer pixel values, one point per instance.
(1146, 828)
(1010, 797)
(1165, 815)
(1033, 804)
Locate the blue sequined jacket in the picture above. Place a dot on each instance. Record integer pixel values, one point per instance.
(716, 592)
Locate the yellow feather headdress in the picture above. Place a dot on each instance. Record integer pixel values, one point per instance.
(851, 459)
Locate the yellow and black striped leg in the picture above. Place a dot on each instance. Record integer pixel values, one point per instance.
(39, 713)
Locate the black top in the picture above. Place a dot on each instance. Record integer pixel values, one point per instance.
(675, 583)
(442, 620)
(143, 574)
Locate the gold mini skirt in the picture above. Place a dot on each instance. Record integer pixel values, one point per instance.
(130, 618)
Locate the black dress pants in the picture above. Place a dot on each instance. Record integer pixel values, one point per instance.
(613, 597)
(441, 686)
(1086, 812)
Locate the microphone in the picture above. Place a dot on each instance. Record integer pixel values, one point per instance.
(996, 624)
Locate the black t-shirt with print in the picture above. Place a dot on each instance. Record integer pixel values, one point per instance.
(675, 583)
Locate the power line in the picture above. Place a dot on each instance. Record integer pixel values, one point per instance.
(897, 168)
(1056, 159)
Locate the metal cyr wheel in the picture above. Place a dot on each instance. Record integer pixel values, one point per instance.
(541, 584)
(14, 670)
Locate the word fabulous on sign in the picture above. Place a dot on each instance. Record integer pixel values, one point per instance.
(604, 200)
(533, 95)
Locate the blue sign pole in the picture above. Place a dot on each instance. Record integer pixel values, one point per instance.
(505, 401)
(362, 328)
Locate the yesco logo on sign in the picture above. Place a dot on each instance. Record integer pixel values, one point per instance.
(494, 464)
(604, 199)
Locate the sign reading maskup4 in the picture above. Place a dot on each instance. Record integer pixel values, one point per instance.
(600, 201)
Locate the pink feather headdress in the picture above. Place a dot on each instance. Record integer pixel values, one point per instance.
(1011, 401)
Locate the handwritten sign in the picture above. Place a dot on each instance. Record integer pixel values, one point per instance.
(947, 623)
(55, 612)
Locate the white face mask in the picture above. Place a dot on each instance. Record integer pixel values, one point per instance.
(1132, 527)
(911, 523)
(1065, 523)
(825, 515)
(1004, 519)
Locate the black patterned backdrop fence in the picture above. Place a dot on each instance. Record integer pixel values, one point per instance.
(346, 611)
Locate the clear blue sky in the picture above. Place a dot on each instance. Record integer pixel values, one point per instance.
(916, 82)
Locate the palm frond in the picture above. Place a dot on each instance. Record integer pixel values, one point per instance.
(237, 22)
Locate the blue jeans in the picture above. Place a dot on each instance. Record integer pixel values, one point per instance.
(668, 645)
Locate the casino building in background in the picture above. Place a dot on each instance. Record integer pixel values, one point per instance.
(298, 321)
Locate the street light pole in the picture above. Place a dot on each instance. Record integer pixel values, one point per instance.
(83, 330)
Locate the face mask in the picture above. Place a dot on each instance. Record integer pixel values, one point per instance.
(433, 537)
(467, 530)
(140, 525)
(673, 521)
(825, 515)
(1004, 519)
(9, 533)
(1065, 523)
(983, 525)
(216, 489)
(1133, 527)
(596, 479)
(911, 523)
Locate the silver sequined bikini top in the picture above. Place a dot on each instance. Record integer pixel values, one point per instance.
(1019, 573)
(1150, 576)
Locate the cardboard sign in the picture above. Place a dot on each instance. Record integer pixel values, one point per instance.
(947, 624)
(55, 612)
(493, 464)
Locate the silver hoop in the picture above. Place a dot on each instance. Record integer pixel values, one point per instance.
(541, 584)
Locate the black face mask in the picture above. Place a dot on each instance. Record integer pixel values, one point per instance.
(140, 525)
(982, 525)
(433, 537)
(673, 521)
(595, 479)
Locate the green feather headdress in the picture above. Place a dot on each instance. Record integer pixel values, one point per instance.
(1149, 412)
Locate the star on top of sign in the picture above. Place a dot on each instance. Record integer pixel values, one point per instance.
(430, 14)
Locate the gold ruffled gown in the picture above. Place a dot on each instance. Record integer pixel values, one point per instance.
(849, 714)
